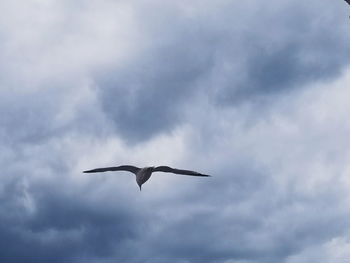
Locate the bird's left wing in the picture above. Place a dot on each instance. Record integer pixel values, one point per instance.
(168, 169)
(348, 1)
(128, 168)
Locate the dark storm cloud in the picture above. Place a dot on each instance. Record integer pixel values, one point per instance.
(61, 228)
(233, 58)
(146, 97)
(270, 72)
(269, 231)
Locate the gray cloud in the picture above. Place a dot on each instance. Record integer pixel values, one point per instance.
(234, 59)
(179, 83)
(61, 227)
(146, 98)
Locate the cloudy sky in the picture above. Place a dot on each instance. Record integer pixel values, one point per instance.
(255, 93)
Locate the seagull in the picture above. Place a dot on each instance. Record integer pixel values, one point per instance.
(143, 174)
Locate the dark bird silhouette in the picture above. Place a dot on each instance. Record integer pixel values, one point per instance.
(143, 174)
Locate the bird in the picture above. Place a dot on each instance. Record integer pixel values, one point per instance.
(143, 174)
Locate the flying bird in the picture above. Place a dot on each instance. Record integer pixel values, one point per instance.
(143, 174)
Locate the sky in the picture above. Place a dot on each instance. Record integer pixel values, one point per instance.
(254, 93)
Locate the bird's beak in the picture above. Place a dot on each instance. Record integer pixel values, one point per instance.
(140, 188)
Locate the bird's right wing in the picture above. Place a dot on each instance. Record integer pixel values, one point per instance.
(168, 169)
(128, 168)
(348, 1)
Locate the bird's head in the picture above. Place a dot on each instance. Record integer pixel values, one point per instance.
(140, 185)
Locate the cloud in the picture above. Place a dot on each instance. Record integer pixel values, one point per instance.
(253, 93)
(231, 57)
(60, 229)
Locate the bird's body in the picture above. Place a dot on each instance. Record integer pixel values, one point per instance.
(143, 174)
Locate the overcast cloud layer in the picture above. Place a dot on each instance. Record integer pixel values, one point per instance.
(254, 93)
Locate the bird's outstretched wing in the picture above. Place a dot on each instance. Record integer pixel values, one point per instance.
(348, 1)
(168, 169)
(128, 168)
